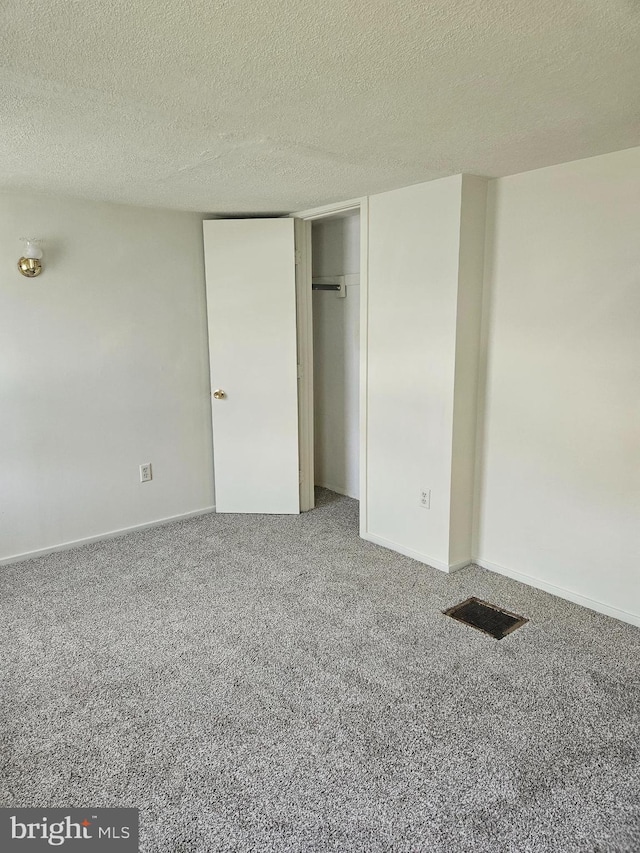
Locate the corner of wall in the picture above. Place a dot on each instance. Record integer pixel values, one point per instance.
(483, 356)
(467, 351)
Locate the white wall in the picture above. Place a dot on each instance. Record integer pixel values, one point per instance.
(559, 472)
(104, 367)
(336, 245)
(420, 344)
(336, 357)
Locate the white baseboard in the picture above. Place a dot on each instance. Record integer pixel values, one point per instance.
(415, 555)
(338, 489)
(561, 592)
(77, 543)
(454, 567)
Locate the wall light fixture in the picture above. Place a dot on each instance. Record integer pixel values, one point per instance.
(29, 264)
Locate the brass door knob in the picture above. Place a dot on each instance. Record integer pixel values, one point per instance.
(219, 395)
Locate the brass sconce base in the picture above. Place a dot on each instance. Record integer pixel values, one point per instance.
(31, 267)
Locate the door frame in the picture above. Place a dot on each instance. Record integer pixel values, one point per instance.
(304, 314)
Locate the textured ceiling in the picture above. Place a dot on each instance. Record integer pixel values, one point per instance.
(244, 106)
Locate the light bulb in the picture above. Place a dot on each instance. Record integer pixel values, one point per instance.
(33, 251)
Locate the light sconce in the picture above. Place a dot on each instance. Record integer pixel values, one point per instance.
(29, 264)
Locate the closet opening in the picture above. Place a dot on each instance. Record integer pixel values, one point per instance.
(331, 304)
(335, 308)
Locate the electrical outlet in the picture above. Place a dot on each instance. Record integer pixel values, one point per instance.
(145, 472)
(425, 498)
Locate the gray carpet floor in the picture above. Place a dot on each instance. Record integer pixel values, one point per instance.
(277, 684)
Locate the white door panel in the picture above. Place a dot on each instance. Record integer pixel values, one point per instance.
(251, 308)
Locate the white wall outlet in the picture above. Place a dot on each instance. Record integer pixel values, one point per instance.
(145, 472)
(425, 498)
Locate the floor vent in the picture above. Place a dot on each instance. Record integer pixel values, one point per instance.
(486, 617)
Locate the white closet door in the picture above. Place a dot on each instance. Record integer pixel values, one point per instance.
(251, 309)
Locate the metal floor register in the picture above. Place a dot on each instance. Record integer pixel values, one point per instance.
(486, 617)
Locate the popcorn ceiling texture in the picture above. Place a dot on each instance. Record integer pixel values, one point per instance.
(238, 106)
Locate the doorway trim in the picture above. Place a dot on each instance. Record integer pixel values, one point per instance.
(305, 346)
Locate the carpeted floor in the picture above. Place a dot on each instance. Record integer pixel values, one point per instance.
(277, 684)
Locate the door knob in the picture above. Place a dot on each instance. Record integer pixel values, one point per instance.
(219, 395)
